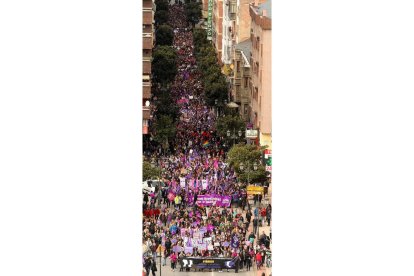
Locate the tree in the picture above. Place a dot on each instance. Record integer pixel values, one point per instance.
(164, 35)
(248, 155)
(166, 105)
(193, 12)
(199, 38)
(215, 91)
(161, 17)
(165, 130)
(150, 172)
(232, 123)
(161, 5)
(164, 64)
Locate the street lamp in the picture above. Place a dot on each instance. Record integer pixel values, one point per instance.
(248, 169)
(234, 136)
(216, 101)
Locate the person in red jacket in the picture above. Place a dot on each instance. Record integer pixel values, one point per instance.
(263, 215)
(258, 260)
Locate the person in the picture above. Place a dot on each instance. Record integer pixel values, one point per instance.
(263, 215)
(256, 212)
(248, 259)
(173, 259)
(147, 265)
(251, 238)
(153, 267)
(258, 260)
(268, 217)
(255, 224)
(168, 246)
(262, 238)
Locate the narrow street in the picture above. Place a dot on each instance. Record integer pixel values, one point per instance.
(194, 167)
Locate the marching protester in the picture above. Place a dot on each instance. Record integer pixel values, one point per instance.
(193, 216)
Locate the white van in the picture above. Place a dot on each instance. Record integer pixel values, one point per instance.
(148, 186)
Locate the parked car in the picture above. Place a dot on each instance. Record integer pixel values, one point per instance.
(149, 186)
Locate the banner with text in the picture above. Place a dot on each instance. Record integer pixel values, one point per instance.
(213, 200)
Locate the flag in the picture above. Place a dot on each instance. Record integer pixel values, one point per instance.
(206, 144)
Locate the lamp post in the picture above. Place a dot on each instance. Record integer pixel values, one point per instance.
(248, 169)
(234, 136)
(217, 102)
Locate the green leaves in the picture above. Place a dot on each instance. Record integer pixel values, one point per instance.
(164, 35)
(166, 105)
(215, 85)
(164, 129)
(232, 123)
(164, 64)
(248, 155)
(193, 12)
(150, 172)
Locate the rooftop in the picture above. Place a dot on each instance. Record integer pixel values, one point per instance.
(265, 6)
(245, 46)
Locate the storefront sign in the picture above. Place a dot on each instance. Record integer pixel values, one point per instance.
(251, 133)
(210, 20)
(254, 190)
(268, 160)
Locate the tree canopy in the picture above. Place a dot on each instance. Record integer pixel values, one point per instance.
(164, 35)
(193, 12)
(164, 129)
(161, 5)
(164, 64)
(161, 17)
(232, 123)
(150, 172)
(166, 105)
(248, 155)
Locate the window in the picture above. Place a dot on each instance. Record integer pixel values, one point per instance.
(246, 107)
(246, 82)
(233, 8)
(238, 66)
(261, 50)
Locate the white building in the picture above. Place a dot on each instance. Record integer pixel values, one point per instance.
(229, 15)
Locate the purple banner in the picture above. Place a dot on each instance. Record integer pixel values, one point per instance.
(214, 200)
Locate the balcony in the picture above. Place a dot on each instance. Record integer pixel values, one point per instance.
(147, 42)
(146, 90)
(147, 17)
(146, 113)
(146, 67)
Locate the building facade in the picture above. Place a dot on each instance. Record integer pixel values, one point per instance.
(147, 45)
(260, 64)
(218, 27)
(240, 81)
(229, 17)
(240, 58)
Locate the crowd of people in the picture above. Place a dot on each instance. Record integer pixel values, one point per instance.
(175, 225)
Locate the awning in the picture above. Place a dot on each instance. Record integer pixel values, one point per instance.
(232, 105)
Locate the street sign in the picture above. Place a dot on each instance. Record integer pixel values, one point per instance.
(254, 190)
(251, 133)
(210, 19)
(268, 160)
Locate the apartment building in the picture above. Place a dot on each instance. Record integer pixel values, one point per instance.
(229, 16)
(260, 65)
(240, 58)
(240, 92)
(147, 45)
(217, 37)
